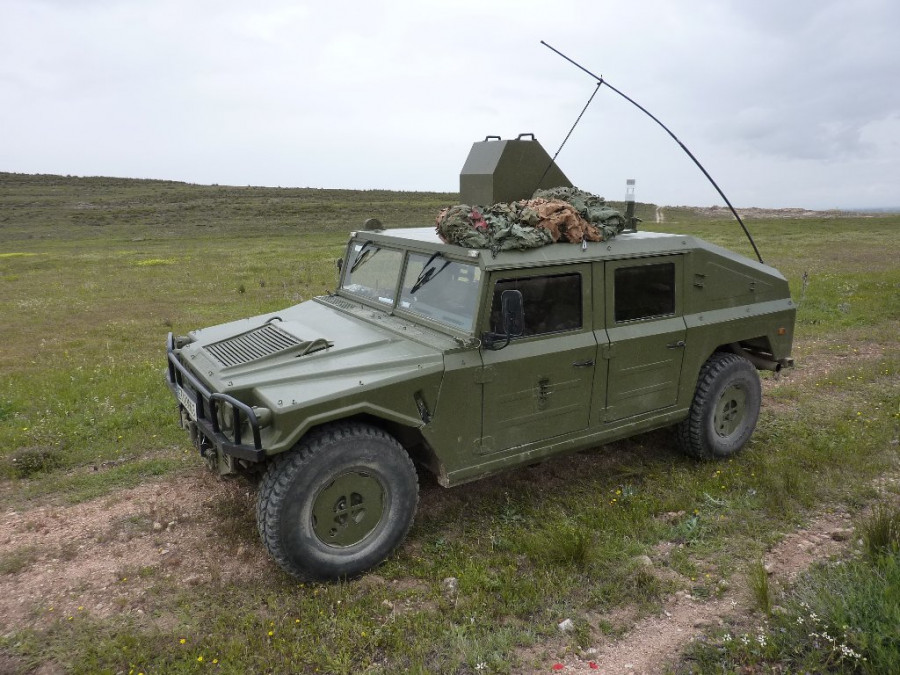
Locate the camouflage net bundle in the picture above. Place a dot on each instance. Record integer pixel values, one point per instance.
(558, 214)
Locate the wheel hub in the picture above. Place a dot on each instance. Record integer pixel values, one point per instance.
(730, 411)
(348, 509)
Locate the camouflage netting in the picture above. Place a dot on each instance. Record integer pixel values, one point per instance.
(557, 214)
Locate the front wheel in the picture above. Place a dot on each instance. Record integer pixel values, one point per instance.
(339, 503)
(725, 408)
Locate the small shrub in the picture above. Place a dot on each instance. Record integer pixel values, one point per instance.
(18, 560)
(33, 461)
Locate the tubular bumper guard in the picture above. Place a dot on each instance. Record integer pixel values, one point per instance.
(208, 407)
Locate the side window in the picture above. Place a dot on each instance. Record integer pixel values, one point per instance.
(644, 291)
(552, 303)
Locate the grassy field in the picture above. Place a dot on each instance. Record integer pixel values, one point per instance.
(96, 271)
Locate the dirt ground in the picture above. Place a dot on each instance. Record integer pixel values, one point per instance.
(101, 556)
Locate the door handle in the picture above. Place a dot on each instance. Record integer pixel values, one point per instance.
(676, 345)
(583, 364)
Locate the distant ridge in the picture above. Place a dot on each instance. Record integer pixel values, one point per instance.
(648, 212)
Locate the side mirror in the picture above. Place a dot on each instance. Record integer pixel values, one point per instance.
(512, 309)
(340, 265)
(512, 320)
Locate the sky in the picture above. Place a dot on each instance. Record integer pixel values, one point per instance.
(786, 104)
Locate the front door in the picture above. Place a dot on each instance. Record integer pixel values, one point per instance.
(539, 386)
(646, 330)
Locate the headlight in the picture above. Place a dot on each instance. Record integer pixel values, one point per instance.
(225, 415)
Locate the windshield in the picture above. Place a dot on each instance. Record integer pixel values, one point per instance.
(373, 272)
(441, 289)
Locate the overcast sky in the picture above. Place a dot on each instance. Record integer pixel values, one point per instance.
(785, 102)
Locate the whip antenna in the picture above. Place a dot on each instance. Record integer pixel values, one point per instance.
(558, 150)
(601, 81)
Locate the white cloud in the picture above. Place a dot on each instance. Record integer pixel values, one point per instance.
(786, 104)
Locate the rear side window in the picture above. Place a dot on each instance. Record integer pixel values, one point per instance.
(644, 291)
(552, 303)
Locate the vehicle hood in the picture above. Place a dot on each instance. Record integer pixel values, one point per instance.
(310, 352)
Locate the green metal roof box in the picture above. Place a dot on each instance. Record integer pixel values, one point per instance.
(507, 171)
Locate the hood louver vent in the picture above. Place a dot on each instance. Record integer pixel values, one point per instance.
(258, 343)
(340, 302)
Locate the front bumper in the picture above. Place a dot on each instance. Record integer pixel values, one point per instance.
(180, 378)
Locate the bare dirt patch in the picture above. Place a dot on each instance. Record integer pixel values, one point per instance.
(103, 556)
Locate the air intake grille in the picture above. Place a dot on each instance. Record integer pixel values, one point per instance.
(254, 345)
(340, 302)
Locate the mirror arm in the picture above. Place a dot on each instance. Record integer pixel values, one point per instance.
(491, 340)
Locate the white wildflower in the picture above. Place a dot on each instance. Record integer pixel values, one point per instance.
(846, 651)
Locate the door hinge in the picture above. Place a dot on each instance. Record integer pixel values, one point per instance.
(608, 350)
(485, 374)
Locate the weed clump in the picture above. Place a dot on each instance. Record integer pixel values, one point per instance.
(18, 560)
(881, 532)
(566, 544)
(33, 461)
(758, 578)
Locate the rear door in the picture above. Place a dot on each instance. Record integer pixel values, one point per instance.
(646, 330)
(539, 386)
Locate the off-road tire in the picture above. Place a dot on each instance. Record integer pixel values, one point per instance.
(725, 408)
(331, 471)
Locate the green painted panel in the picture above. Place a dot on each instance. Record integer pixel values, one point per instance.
(645, 354)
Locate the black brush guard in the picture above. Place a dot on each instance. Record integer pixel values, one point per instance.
(208, 407)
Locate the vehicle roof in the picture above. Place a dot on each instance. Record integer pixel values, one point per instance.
(624, 245)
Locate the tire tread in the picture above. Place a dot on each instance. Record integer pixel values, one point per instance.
(689, 433)
(275, 485)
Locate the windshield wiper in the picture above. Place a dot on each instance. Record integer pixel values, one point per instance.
(428, 273)
(362, 255)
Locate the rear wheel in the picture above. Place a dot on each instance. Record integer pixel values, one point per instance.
(725, 408)
(337, 504)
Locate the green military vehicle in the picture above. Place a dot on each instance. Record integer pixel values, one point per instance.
(468, 362)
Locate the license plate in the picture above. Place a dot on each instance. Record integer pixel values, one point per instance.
(190, 405)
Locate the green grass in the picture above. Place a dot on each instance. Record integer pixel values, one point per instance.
(840, 617)
(95, 272)
(760, 588)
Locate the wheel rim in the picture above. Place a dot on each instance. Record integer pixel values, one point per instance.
(730, 411)
(348, 509)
